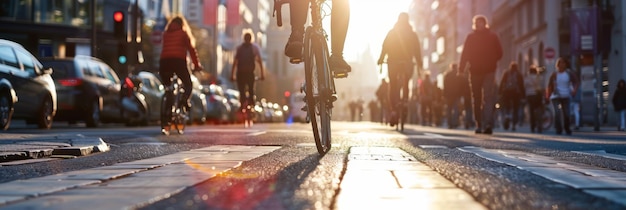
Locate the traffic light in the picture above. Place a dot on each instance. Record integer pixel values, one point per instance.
(118, 25)
(121, 52)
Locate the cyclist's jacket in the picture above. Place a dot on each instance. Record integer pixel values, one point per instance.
(402, 45)
(176, 43)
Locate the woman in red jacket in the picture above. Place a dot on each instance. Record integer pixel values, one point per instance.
(177, 42)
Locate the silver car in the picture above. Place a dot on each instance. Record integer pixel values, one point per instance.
(27, 90)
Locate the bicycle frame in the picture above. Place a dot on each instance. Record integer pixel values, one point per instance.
(319, 86)
(172, 112)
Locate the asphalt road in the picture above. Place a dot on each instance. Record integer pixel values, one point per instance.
(503, 171)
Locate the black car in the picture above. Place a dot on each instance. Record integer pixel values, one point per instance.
(26, 88)
(88, 90)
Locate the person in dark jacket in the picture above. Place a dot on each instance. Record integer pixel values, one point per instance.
(452, 94)
(511, 94)
(177, 42)
(401, 47)
(619, 103)
(481, 53)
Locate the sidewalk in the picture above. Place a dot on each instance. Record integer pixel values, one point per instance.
(28, 146)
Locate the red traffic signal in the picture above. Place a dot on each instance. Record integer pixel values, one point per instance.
(118, 16)
(287, 94)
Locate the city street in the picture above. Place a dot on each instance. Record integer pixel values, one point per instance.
(276, 166)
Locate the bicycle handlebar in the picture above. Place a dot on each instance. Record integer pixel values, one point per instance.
(277, 11)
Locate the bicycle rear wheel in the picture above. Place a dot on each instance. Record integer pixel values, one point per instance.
(317, 74)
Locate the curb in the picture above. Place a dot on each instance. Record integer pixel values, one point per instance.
(47, 146)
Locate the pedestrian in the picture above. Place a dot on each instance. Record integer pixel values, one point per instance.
(427, 98)
(452, 95)
(178, 42)
(481, 53)
(511, 93)
(383, 99)
(619, 103)
(402, 48)
(246, 58)
(533, 84)
(562, 85)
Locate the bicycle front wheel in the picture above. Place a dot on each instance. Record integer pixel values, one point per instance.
(318, 92)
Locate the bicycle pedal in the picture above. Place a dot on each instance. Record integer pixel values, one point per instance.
(340, 75)
(295, 60)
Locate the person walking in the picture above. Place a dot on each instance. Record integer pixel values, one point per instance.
(481, 52)
(452, 95)
(533, 84)
(619, 103)
(401, 47)
(246, 58)
(427, 98)
(177, 42)
(511, 93)
(562, 85)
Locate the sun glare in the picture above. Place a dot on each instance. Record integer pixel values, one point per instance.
(370, 20)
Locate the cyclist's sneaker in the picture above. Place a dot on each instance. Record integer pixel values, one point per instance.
(165, 131)
(294, 46)
(339, 66)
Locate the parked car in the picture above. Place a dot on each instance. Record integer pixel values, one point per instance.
(218, 109)
(153, 90)
(234, 100)
(88, 90)
(26, 88)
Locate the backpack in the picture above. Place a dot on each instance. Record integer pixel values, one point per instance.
(510, 84)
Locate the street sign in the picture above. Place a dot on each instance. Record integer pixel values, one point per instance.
(549, 53)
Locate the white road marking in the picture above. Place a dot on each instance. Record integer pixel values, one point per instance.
(603, 153)
(609, 184)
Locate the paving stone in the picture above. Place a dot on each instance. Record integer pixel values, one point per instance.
(406, 199)
(92, 174)
(422, 179)
(97, 199)
(38, 186)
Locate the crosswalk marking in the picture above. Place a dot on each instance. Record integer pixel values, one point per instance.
(389, 178)
(126, 185)
(597, 181)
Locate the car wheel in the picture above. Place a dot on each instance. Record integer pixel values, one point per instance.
(6, 111)
(93, 116)
(44, 120)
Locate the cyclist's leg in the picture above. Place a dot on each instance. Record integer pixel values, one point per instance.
(185, 77)
(393, 94)
(165, 71)
(241, 86)
(339, 21)
(298, 11)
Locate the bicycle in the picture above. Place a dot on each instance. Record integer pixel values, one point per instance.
(173, 114)
(402, 106)
(247, 108)
(319, 87)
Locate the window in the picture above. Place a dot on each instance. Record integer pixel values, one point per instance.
(27, 62)
(7, 57)
(95, 70)
(109, 73)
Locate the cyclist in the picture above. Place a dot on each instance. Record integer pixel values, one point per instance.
(246, 57)
(339, 21)
(400, 47)
(177, 42)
